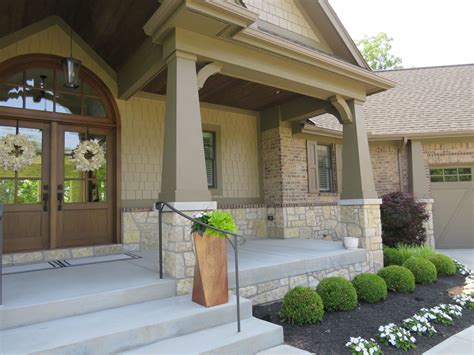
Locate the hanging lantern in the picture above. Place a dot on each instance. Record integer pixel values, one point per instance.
(71, 68)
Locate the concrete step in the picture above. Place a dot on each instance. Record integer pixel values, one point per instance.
(42, 296)
(256, 335)
(121, 328)
(284, 349)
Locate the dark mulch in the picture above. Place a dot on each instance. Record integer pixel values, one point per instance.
(331, 335)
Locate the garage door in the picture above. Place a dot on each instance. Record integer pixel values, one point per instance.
(452, 189)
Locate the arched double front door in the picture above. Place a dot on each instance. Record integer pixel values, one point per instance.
(64, 195)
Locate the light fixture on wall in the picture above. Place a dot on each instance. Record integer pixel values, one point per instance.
(71, 68)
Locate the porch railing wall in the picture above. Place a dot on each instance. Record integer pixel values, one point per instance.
(234, 242)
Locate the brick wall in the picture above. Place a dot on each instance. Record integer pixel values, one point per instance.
(285, 170)
(384, 157)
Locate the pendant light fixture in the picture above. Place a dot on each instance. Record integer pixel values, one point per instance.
(71, 68)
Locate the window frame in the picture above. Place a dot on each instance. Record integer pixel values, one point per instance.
(329, 168)
(443, 175)
(216, 191)
(312, 150)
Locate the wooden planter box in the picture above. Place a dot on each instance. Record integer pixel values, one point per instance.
(210, 286)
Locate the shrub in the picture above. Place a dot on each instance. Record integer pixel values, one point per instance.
(423, 269)
(444, 264)
(398, 278)
(392, 256)
(337, 294)
(406, 251)
(402, 219)
(302, 305)
(370, 288)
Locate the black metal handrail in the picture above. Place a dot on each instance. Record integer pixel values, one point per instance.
(234, 243)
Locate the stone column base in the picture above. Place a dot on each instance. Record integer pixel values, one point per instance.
(362, 220)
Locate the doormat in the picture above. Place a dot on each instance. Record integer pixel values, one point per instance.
(59, 264)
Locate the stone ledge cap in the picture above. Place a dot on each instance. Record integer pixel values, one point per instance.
(360, 202)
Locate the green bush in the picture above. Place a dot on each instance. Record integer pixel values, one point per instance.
(302, 305)
(407, 251)
(444, 264)
(370, 288)
(423, 269)
(398, 278)
(337, 294)
(392, 256)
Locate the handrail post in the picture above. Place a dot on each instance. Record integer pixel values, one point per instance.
(1, 251)
(237, 290)
(160, 237)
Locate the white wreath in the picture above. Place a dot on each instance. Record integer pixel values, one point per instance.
(88, 156)
(16, 152)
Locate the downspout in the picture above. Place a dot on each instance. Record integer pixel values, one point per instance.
(399, 156)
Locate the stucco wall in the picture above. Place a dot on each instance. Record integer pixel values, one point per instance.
(142, 120)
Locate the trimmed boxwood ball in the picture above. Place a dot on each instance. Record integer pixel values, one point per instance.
(370, 288)
(398, 278)
(302, 305)
(392, 256)
(444, 264)
(423, 269)
(337, 294)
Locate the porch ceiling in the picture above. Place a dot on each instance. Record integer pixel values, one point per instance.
(228, 91)
(114, 29)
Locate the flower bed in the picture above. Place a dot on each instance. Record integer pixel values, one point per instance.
(335, 331)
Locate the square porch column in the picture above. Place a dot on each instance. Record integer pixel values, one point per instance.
(359, 205)
(183, 176)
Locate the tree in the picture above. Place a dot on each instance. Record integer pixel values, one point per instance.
(376, 52)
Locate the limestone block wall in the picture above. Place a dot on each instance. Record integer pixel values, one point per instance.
(384, 157)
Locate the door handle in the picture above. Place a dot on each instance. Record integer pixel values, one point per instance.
(45, 201)
(60, 201)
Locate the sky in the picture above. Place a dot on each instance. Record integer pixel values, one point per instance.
(424, 32)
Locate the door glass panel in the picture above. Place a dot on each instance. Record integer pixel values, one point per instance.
(69, 104)
(80, 187)
(11, 96)
(29, 191)
(40, 100)
(7, 191)
(24, 186)
(35, 136)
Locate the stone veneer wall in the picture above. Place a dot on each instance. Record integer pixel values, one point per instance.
(275, 290)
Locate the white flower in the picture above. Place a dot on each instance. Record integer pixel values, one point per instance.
(357, 348)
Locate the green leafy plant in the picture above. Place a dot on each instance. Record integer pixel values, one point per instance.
(376, 50)
(302, 305)
(398, 278)
(392, 256)
(392, 334)
(423, 269)
(361, 346)
(402, 219)
(219, 219)
(370, 288)
(406, 251)
(444, 264)
(337, 294)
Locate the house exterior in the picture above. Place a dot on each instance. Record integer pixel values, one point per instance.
(418, 145)
(194, 103)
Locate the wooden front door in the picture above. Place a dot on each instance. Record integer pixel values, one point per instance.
(84, 199)
(25, 193)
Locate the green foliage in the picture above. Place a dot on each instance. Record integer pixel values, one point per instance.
(302, 305)
(444, 264)
(398, 278)
(337, 294)
(392, 256)
(370, 288)
(423, 269)
(408, 251)
(376, 52)
(403, 219)
(219, 219)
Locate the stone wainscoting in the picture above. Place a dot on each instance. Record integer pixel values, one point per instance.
(275, 290)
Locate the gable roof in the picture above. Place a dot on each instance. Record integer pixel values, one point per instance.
(429, 100)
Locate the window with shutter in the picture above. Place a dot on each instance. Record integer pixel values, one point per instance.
(324, 168)
(313, 185)
(209, 140)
